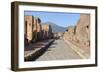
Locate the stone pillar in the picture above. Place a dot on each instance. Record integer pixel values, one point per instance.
(28, 28)
(36, 29)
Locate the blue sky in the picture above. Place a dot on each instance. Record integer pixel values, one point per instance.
(59, 18)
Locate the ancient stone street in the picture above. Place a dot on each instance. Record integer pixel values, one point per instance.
(59, 50)
(46, 41)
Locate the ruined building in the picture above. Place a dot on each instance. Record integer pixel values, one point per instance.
(46, 31)
(34, 31)
(28, 29)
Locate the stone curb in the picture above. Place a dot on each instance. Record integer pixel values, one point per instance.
(38, 53)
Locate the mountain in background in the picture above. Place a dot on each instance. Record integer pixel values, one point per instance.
(55, 28)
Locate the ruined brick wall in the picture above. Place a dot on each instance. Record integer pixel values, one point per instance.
(38, 21)
(83, 28)
(34, 31)
(46, 31)
(28, 28)
(79, 34)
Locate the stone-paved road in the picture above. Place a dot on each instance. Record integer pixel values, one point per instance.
(59, 50)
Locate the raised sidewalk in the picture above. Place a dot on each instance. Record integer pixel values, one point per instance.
(79, 51)
(33, 51)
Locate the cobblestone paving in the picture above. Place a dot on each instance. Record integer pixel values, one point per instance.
(59, 50)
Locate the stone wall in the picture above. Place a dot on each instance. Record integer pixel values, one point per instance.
(28, 28)
(79, 34)
(46, 31)
(34, 31)
(83, 29)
